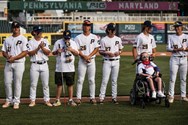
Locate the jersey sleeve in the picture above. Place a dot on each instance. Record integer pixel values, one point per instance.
(55, 48)
(46, 42)
(97, 44)
(169, 45)
(120, 44)
(74, 46)
(77, 42)
(136, 41)
(153, 43)
(25, 44)
(4, 46)
(102, 45)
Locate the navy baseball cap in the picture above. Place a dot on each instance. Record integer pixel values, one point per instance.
(111, 26)
(178, 23)
(37, 28)
(148, 23)
(86, 23)
(67, 34)
(15, 25)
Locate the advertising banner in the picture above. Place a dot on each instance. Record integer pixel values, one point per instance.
(89, 5)
(159, 28)
(159, 38)
(75, 27)
(170, 28)
(129, 28)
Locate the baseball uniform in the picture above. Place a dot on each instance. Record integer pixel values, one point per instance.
(86, 44)
(39, 67)
(110, 64)
(14, 71)
(178, 61)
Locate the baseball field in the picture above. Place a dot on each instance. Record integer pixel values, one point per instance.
(87, 114)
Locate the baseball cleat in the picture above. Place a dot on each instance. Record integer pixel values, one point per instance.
(32, 104)
(16, 106)
(93, 101)
(185, 99)
(47, 103)
(171, 99)
(57, 103)
(72, 103)
(78, 101)
(6, 105)
(101, 101)
(115, 101)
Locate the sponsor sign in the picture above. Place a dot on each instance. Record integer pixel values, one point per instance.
(129, 28)
(83, 5)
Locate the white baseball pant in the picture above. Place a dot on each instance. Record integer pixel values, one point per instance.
(109, 67)
(91, 69)
(42, 71)
(13, 72)
(177, 63)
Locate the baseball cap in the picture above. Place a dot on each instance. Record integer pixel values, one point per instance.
(148, 23)
(37, 28)
(67, 34)
(178, 23)
(15, 25)
(86, 23)
(111, 26)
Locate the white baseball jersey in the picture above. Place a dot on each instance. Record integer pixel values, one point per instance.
(15, 45)
(87, 43)
(111, 44)
(176, 42)
(144, 43)
(148, 68)
(40, 56)
(61, 65)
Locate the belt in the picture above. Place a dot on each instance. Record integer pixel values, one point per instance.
(180, 56)
(111, 59)
(40, 62)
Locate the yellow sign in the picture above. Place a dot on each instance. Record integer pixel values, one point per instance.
(27, 35)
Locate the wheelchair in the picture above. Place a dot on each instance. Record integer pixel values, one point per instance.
(141, 92)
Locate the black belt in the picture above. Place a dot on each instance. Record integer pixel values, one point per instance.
(180, 56)
(111, 59)
(39, 62)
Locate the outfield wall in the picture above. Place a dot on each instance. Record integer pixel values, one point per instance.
(126, 31)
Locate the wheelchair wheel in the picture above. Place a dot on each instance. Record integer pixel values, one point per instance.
(167, 103)
(158, 101)
(143, 104)
(132, 97)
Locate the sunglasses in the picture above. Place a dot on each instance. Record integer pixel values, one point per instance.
(86, 24)
(144, 57)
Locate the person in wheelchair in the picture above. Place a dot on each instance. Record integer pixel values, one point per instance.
(150, 71)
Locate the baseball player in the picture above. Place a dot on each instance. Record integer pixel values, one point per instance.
(38, 52)
(65, 49)
(110, 49)
(178, 45)
(88, 47)
(15, 48)
(144, 42)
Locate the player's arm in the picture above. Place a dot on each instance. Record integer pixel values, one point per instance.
(134, 52)
(33, 52)
(93, 52)
(21, 55)
(153, 52)
(6, 55)
(73, 51)
(45, 50)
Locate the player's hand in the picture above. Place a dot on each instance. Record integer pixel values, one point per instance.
(41, 45)
(117, 53)
(59, 51)
(110, 54)
(11, 59)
